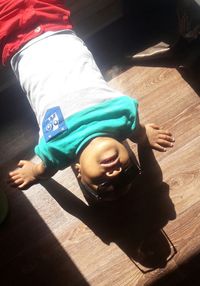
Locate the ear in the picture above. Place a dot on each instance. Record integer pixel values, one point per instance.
(77, 169)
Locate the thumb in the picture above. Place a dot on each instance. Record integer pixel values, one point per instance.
(21, 163)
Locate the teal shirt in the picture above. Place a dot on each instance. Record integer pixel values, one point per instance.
(116, 118)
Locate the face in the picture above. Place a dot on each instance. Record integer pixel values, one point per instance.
(103, 159)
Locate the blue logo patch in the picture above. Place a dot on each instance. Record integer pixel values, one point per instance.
(53, 123)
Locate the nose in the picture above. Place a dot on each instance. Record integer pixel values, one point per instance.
(114, 172)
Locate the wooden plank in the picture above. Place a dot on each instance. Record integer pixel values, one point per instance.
(184, 268)
(96, 18)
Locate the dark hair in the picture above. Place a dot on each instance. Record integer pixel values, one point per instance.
(125, 178)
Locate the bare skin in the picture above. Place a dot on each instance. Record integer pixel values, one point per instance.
(149, 135)
(28, 174)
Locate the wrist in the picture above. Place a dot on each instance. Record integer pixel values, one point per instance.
(39, 171)
(140, 136)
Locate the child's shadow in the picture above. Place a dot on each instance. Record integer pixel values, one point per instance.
(135, 221)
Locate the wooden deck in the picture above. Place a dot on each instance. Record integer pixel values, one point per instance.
(51, 236)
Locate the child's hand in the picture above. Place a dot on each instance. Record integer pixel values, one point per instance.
(23, 177)
(158, 138)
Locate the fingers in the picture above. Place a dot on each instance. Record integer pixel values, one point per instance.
(16, 172)
(159, 148)
(17, 182)
(166, 137)
(164, 143)
(160, 129)
(13, 173)
(21, 178)
(23, 186)
(14, 179)
(159, 138)
(165, 132)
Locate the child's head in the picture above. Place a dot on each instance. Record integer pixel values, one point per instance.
(104, 168)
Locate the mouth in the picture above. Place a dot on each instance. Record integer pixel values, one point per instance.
(110, 161)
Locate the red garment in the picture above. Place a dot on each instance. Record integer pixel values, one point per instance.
(23, 20)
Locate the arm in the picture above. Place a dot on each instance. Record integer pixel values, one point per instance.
(29, 174)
